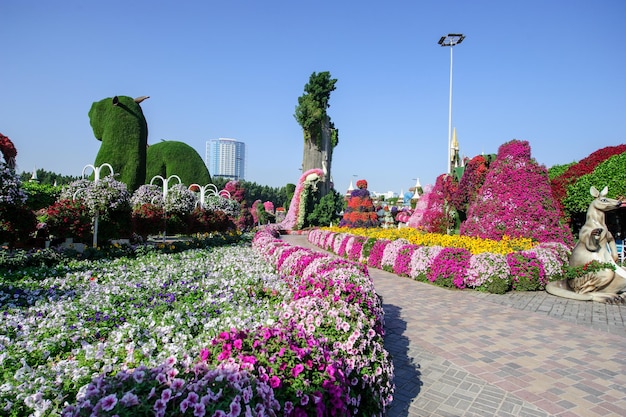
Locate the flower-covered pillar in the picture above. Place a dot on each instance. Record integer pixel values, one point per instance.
(96, 173)
(165, 189)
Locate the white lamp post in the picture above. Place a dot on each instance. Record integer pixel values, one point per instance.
(208, 191)
(165, 188)
(96, 173)
(450, 40)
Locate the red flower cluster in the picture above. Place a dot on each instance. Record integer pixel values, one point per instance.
(69, 218)
(8, 150)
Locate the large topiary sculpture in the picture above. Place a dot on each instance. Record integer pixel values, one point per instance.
(120, 124)
(176, 158)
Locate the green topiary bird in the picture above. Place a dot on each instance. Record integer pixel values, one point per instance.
(120, 124)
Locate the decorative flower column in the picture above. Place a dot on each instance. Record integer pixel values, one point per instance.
(96, 173)
(165, 185)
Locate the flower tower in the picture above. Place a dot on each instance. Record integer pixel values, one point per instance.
(360, 211)
(516, 200)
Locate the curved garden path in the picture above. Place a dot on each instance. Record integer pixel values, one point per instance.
(465, 353)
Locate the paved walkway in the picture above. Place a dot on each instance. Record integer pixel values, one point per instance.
(465, 353)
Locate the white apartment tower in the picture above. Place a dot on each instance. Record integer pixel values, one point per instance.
(226, 158)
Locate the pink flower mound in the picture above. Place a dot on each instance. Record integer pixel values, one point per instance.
(415, 220)
(516, 200)
(430, 212)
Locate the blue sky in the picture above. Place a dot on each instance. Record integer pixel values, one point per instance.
(549, 72)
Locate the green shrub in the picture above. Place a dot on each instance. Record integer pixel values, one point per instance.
(40, 196)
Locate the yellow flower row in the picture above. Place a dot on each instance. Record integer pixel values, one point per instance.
(475, 245)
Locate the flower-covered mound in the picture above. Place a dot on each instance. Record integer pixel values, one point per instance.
(202, 332)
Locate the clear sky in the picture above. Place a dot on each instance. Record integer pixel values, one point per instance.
(547, 71)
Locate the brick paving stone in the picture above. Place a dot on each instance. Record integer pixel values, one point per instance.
(468, 353)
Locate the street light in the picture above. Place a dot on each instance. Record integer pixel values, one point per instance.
(450, 40)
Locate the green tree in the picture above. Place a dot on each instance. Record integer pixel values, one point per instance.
(290, 189)
(327, 211)
(320, 134)
(47, 177)
(39, 196)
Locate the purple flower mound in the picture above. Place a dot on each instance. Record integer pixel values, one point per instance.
(449, 268)
(516, 200)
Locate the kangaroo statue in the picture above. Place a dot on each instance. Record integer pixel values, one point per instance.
(595, 243)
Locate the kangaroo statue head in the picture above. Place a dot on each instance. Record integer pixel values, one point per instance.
(601, 202)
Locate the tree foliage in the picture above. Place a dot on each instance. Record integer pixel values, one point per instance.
(327, 210)
(311, 109)
(48, 177)
(39, 196)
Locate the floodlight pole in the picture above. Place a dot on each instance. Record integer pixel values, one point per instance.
(450, 40)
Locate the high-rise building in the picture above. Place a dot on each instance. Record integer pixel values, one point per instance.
(226, 158)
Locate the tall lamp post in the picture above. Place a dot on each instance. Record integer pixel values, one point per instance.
(450, 40)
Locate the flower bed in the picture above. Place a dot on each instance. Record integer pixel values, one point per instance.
(473, 244)
(452, 261)
(202, 332)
